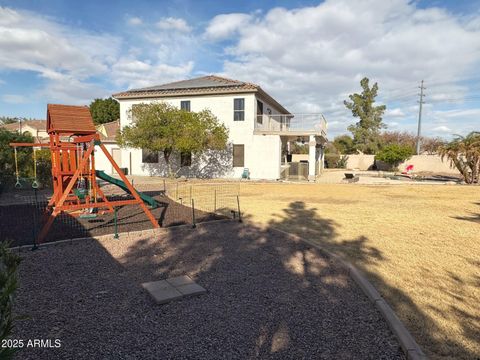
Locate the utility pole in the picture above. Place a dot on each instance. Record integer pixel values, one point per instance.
(420, 116)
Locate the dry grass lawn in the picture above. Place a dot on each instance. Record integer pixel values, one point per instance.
(420, 246)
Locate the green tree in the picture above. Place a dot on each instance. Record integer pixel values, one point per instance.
(7, 159)
(464, 153)
(344, 144)
(162, 127)
(8, 285)
(104, 110)
(4, 120)
(394, 154)
(366, 131)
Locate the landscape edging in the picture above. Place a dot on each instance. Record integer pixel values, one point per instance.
(410, 347)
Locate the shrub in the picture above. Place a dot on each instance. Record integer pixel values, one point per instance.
(394, 154)
(44, 168)
(342, 163)
(8, 284)
(331, 160)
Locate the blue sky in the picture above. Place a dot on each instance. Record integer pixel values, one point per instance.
(309, 55)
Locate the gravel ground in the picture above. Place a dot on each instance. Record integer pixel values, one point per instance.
(268, 297)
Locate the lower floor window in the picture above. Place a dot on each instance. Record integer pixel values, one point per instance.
(238, 155)
(149, 157)
(186, 159)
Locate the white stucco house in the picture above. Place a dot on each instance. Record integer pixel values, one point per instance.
(260, 130)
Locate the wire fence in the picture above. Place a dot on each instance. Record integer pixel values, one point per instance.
(23, 213)
(214, 198)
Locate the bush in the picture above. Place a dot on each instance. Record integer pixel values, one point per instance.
(44, 168)
(394, 154)
(7, 159)
(342, 163)
(8, 285)
(331, 160)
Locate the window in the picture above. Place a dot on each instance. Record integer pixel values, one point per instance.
(239, 109)
(238, 155)
(185, 105)
(186, 159)
(259, 112)
(149, 157)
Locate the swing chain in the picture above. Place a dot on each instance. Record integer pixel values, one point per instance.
(18, 184)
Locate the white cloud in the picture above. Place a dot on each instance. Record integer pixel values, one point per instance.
(396, 112)
(133, 73)
(442, 129)
(76, 65)
(313, 57)
(176, 24)
(225, 25)
(14, 99)
(134, 21)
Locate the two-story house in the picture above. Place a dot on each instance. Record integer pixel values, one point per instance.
(260, 130)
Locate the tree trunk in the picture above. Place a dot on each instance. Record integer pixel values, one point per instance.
(166, 156)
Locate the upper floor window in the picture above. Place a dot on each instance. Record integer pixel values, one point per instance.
(239, 109)
(185, 105)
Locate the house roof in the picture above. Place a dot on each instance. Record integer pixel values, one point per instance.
(108, 131)
(39, 125)
(205, 85)
(69, 119)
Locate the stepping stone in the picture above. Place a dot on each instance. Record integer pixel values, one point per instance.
(161, 291)
(191, 289)
(180, 280)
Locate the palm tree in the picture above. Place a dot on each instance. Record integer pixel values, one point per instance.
(464, 153)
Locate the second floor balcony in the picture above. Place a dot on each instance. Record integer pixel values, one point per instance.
(291, 124)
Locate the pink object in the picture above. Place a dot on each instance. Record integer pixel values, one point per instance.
(408, 169)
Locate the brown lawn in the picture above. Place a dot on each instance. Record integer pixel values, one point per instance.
(419, 244)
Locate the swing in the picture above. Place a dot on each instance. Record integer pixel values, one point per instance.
(35, 183)
(18, 183)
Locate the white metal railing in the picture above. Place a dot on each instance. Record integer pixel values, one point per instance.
(291, 123)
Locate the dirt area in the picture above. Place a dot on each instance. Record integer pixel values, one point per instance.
(269, 296)
(20, 223)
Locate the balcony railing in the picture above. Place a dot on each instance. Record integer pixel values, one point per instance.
(314, 124)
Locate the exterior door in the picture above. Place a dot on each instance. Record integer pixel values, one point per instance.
(117, 156)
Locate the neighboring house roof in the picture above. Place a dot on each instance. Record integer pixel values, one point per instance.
(205, 85)
(108, 131)
(69, 119)
(39, 125)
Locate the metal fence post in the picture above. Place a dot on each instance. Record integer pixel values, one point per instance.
(215, 201)
(239, 213)
(176, 194)
(194, 225)
(116, 224)
(35, 208)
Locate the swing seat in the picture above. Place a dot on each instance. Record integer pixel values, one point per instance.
(80, 193)
(88, 216)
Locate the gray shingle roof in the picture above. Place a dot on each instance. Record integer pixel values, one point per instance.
(205, 85)
(209, 81)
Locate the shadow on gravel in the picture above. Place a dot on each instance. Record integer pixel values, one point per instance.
(305, 222)
(268, 297)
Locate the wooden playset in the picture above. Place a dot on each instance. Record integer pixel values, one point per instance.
(73, 139)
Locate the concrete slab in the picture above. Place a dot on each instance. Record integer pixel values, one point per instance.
(180, 280)
(191, 289)
(161, 291)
